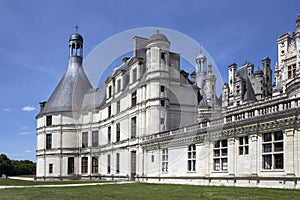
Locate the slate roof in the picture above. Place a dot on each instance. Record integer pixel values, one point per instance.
(69, 93)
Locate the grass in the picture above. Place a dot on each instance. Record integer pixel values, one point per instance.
(10, 182)
(147, 191)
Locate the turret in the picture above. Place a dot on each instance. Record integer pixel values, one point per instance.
(267, 74)
(201, 71)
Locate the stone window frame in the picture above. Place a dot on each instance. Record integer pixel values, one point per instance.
(220, 155)
(49, 141)
(191, 158)
(85, 139)
(243, 145)
(164, 160)
(95, 138)
(273, 150)
(117, 163)
(84, 165)
(95, 165)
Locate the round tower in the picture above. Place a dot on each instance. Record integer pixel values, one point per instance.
(201, 71)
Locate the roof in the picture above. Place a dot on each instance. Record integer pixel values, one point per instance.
(158, 37)
(69, 93)
(76, 36)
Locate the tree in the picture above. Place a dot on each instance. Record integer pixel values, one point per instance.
(5, 165)
(16, 167)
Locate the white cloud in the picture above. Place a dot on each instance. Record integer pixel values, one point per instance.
(6, 109)
(28, 108)
(28, 151)
(24, 133)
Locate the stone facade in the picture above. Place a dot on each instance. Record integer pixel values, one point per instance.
(151, 122)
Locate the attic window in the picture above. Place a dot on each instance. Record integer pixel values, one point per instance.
(163, 55)
(134, 75)
(118, 85)
(282, 51)
(49, 120)
(109, 91)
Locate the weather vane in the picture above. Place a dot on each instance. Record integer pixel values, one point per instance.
(76, 28)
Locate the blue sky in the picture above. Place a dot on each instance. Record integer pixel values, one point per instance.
(34, 44)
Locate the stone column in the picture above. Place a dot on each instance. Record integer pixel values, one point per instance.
(253, 152)
(231, 156)
(289, 152)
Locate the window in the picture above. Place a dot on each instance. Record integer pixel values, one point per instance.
(50, 168)
(49, 120)
(163, 55)
(71, 165)
(109, 134)
(95, 138)
(118, 132)
(84, 165)
(109, 111)
(118, 106)
(133, 127)
(118, 85)
(292, 71)
(133, 99)
(152, 158)
(272, 151)
(162, 88)
(164, 160)
(243, 145)
(48, 141)
(162, 120)
(134, 75)
(192, 158)
(162, 103)
(85, 140)
(220, 155)
(95, 165)
(117, 163)
(108, 163)
(109, 92)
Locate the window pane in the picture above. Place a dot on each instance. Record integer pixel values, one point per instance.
(224, 143)
(267, 137)
(246, 150)
(267, 162)
(224, 152)
(241, 150)
(217, 153)
(267, 148)
(278, 161)
(246, 140)
(224, 164)
(278, 146)
(241, 140)
(278, 136)
(217, 164)
(217, 144)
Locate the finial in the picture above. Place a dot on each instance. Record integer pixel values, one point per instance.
(76, 28)
(157, 31)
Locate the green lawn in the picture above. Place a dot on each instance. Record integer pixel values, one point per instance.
(26, 183)
(142, 191)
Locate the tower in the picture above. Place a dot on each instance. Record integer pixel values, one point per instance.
(201, 71)
(267, 73)
(210, 87)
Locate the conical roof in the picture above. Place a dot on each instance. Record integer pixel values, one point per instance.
(69, 93)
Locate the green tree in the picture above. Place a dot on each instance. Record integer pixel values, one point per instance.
(5, 165)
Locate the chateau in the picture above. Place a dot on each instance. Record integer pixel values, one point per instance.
(151, 121)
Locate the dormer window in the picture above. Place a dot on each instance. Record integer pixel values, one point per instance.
(134, 75)
(118, 85)
(133, 99)
(163, 55)
(49, 120)
(109, 91)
